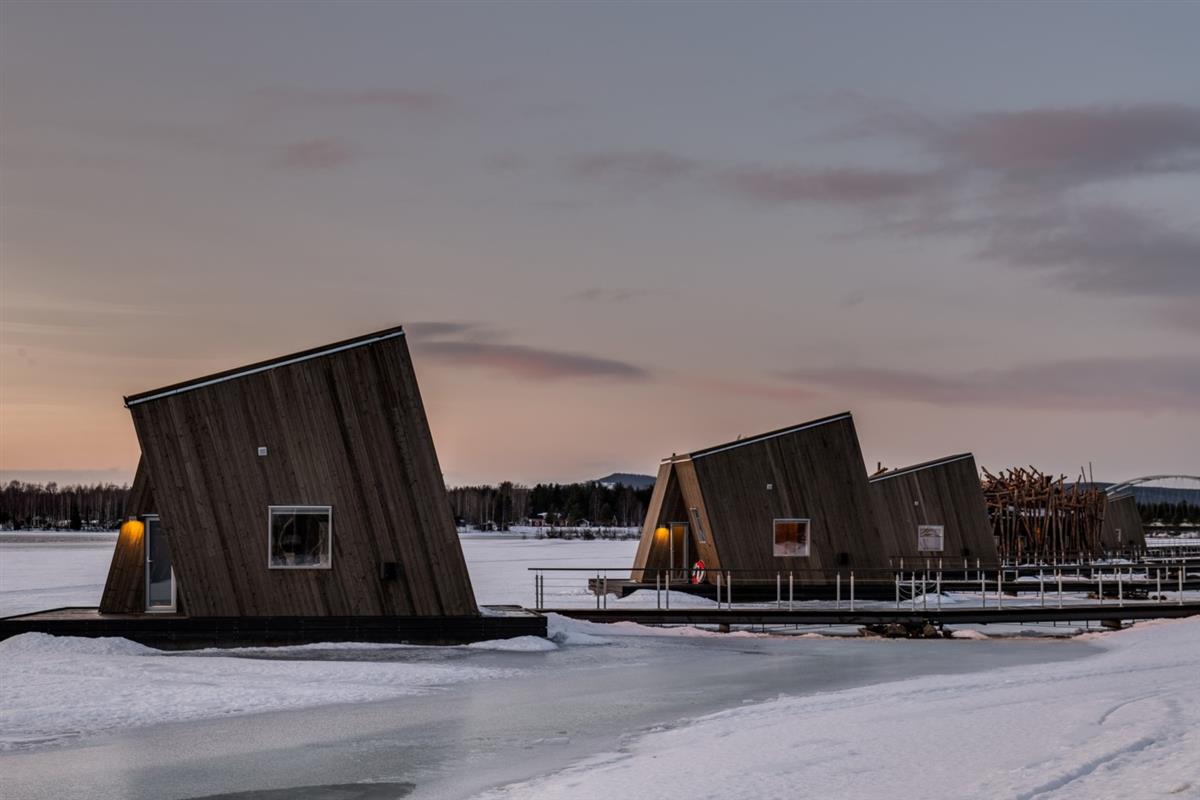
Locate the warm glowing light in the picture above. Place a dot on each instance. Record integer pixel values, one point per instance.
(661, 533)
(133, 529)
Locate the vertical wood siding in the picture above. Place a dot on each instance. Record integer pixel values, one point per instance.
(946, 493)
(344, 429)
(1121, 513)
(125, 589)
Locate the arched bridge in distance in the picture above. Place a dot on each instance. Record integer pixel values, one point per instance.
(1118, 488)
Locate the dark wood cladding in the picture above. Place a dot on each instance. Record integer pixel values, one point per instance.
(125, 589)
(345, 429)
(945, 492)
(1122, 528)
(813, 471)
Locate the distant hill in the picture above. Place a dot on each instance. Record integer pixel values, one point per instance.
(626, 479)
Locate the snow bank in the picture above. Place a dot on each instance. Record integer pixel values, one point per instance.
(517, 644)
(61, 687)
(1122, 723)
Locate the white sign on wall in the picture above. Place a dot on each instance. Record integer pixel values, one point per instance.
(931, 538)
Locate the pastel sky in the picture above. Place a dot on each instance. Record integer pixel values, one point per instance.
(615, 231)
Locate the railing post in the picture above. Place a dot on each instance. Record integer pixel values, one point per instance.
(606, 590)
(1120, 589)
(668, 585)
(658, 590)
(729, 589)
(1000, 588)
(778, 590)
(1100, 586)
(983, 588)
(718, 590)
(596, 586)
(1042, 587)
(838, 602)
(1181, 582)
(1158, 583)
(1060, 589)
(939, 589)
(851, 590)
(791, 589)
(896, 577)
(912, 590)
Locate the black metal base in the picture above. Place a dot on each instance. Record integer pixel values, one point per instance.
(174, 632)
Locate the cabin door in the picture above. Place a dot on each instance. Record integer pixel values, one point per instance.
(679, 556)
(160, 577)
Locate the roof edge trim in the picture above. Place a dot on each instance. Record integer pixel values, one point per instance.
(262, 366)
(918, 467)
(771, 435)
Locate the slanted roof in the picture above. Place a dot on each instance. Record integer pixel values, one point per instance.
(263, 366)
(707, 451)
(937, 462)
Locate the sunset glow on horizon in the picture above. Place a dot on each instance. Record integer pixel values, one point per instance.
(614, 232)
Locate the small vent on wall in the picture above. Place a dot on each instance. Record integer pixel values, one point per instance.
(262, 451)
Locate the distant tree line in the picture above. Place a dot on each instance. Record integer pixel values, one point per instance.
(565, 504)
(1170, 513)
(42, 506)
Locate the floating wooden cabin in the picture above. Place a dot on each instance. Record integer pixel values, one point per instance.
(794, 499)
(1122, 527)
(935, 510)
(304, 486)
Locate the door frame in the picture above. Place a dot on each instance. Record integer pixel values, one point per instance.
(149, 609)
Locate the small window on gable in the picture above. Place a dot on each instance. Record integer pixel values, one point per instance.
(931, 538)
(696, 524)
(300, 537)
(792, 538)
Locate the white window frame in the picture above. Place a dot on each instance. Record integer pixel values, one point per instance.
(807, 536)
(942, 533)
(298, 509)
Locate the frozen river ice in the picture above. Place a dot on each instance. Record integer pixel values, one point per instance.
(607, 709)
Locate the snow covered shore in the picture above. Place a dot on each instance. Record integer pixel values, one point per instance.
(1124, 723)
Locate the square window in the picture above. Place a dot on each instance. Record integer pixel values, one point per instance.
(300, 537)
(931, 538)
(791, 538)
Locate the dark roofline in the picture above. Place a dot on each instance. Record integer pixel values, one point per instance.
(937, 462)
(763, 436)
(263, 366)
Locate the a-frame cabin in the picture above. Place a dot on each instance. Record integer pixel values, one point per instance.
(303, 486)
(936, 511)
(1122, 528)
(791, 500)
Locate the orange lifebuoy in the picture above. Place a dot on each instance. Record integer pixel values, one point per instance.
(698, 572)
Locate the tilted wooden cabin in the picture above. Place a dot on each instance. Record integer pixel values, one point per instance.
(1122, 527)
(935, 510)
(795, 499)
(303, 486)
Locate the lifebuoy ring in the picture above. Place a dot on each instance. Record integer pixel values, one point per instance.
(698, 572)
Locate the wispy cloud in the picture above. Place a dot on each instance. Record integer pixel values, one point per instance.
(789, 185)
(642, 166)
(407, 100)
(1151, 383)
(531, 362)
(324, 153)
(597, 294)
(466, 344)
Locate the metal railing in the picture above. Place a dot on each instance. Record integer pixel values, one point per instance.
(923, 588)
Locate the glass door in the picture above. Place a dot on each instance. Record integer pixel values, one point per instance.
(160, 578)
(679, 564)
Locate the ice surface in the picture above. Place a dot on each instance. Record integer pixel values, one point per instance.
(1125, 723)
(57, 687)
